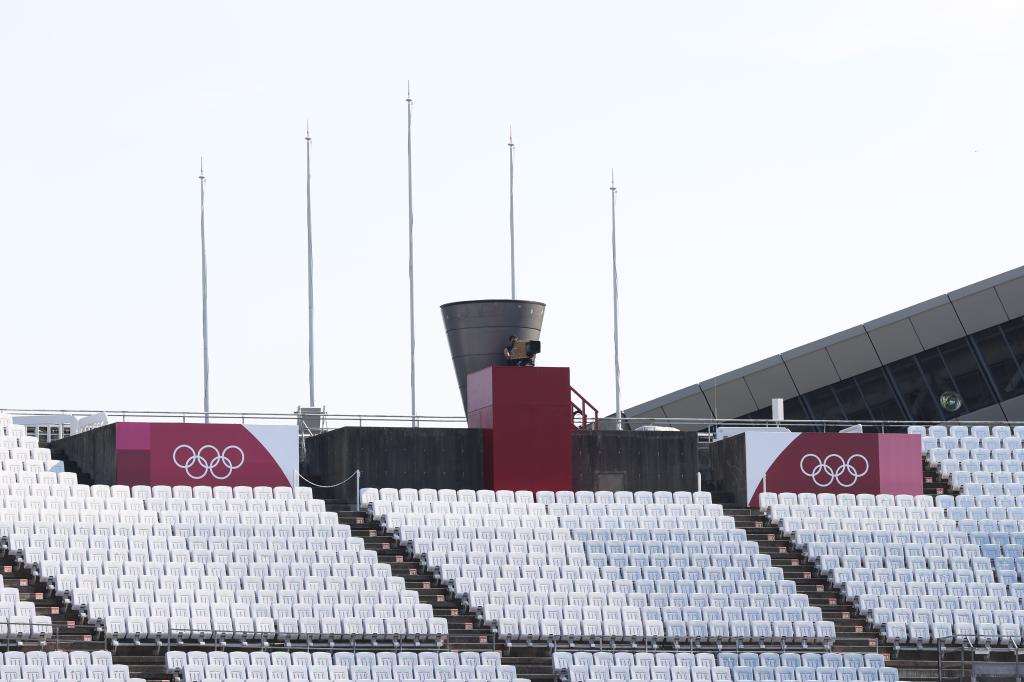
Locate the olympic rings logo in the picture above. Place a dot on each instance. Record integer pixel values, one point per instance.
(833, 469)
(209, 460)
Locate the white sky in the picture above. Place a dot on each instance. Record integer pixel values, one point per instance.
(786, 170)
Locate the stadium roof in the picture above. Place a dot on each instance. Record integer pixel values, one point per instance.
(852, 352)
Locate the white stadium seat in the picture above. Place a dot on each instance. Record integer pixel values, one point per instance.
(187, 563)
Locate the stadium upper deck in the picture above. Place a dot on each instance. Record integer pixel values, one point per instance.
(956, 356)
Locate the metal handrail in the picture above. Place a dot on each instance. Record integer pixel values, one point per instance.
(582, 411)
(687, 423)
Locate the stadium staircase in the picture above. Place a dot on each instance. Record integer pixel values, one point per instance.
(853, 632)
(934, 483)
(464, 631)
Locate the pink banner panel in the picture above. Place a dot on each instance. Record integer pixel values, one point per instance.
(206, 454)
(833, 463)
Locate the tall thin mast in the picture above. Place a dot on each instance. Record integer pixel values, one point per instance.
(309, 264)
(412, 308)
(615, 309)
(511, 209)
(206, 338)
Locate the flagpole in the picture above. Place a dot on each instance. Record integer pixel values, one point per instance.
(206, 338)
(511, 209)
(309, 266)
(615, 309)
(412, 308)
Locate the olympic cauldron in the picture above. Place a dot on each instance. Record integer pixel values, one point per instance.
(757, 461)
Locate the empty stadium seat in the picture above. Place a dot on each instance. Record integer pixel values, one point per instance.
(210, 565)
(389, 666)
(596, 567)
(56, 666)
(923, 572)
(585, 666)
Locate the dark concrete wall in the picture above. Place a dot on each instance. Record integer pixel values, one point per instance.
(92, 453)
(634, 460)
(728, 470)
(394, 458)
(453, 458)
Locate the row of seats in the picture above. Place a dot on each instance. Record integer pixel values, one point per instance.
(424, 539)
(246, 540)
(305, 666)
(970, 443)
(562, 660)
(57, 666)
(962, 513)
(241, 586)
(639, 599)
(48, 477)
(792, 524)
(986, 482)
(310, 591)
(29, 466)
(822, 511)
(469, 539)
(882, 549)
(264, 603)
(717, 556)
(979, 459)
(79, 589)
(14, 452)
(965, 500)
(728, 667)
(163, 548)
(995, 464)
(263, 630)
(186, 524)
(58, 658)
(494, 612)
(651, 589)
(993, 489)
(87, 523)
(198, 569)
(676, 632)
(37, 555)
(177, 660)
(429, 525)
(802, 537)
(381, 509)
(369, 495)
(962, 431)
(956, 589)
(766, 500)
(44, 496)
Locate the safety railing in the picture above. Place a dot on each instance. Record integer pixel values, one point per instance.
(330, 421)
(584, 410)
(711, 425)
(584, 414)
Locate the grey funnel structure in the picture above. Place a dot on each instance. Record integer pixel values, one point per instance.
(479, 330)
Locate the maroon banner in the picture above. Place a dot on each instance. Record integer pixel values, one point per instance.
(833, 463)
(206, 454)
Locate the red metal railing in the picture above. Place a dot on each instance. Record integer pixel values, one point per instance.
(584, 414)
